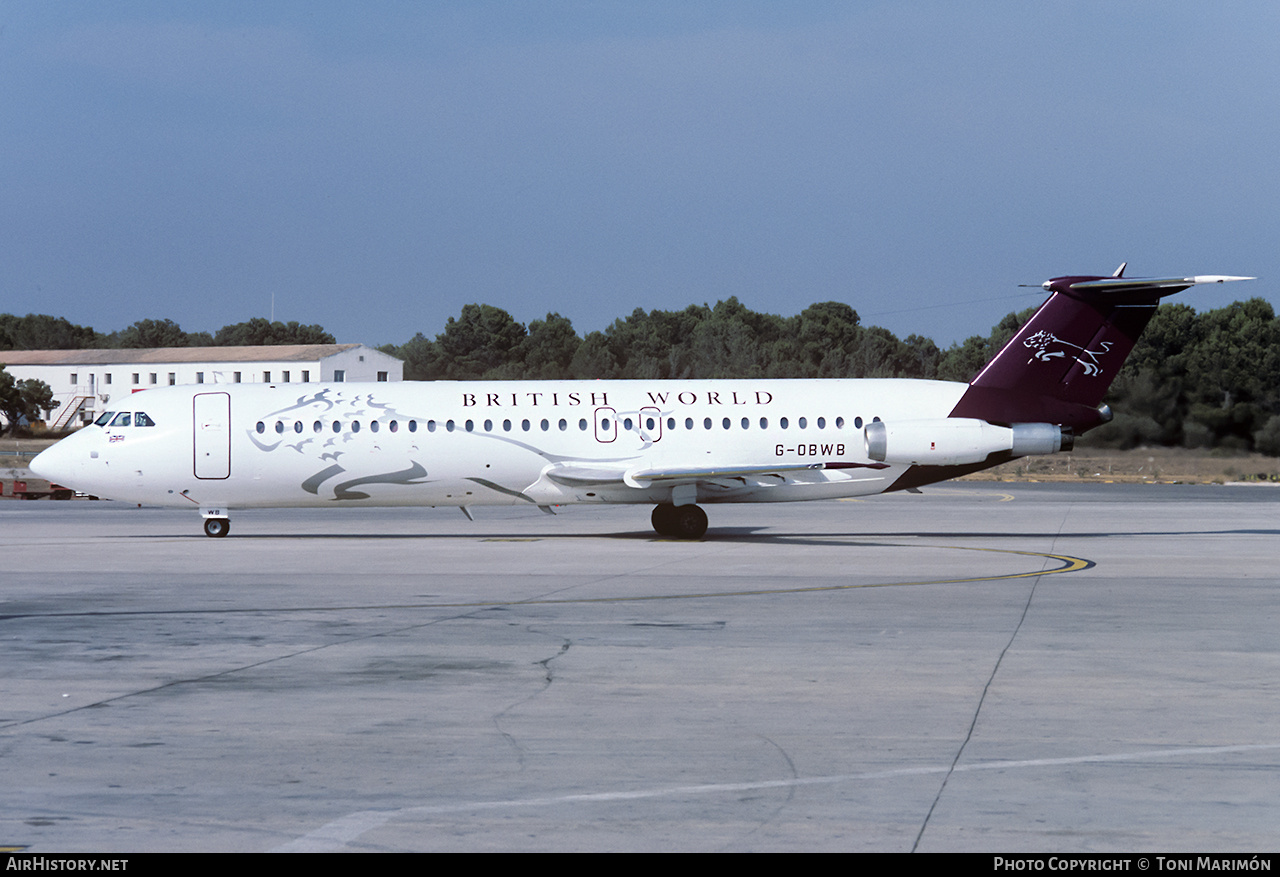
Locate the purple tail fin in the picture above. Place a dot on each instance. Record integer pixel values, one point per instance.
(1058, 366)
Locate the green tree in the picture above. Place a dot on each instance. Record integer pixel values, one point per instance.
(920, 358)
(825, 340)
(655, 345)
(420, 355)
(258, 331)
(151, 333)
(548, 349)
(43, 332)
(733, 341)
(1233, 372)
(593, 360)
(22, 400)
(482, 340)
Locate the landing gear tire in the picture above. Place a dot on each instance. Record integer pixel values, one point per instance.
(681, 522)
(216, 527)
(661, 519)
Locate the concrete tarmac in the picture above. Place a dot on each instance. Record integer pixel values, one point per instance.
(981, 667)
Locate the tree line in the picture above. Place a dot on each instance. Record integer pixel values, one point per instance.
(43, 332)
(1205, 380)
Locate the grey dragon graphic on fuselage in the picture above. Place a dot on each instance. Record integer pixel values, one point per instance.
(337, 420)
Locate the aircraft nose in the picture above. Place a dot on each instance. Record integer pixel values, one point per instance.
(56, 463)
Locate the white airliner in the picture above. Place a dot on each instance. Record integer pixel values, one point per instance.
(671, 444)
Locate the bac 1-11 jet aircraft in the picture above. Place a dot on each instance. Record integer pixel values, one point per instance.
(672, 444)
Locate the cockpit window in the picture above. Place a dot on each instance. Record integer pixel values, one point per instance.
(104, 418)
(141, 419)
(124, 418)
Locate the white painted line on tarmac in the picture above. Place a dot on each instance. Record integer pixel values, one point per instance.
(339, 833)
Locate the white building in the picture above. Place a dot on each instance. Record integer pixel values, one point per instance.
(85, 381)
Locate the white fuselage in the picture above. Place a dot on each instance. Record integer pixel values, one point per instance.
(228, 446)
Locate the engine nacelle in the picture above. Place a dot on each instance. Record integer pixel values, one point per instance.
(959, 440)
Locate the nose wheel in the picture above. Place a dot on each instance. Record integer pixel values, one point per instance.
(217, 527)
(679, 522)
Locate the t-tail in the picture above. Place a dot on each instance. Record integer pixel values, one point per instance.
(1045, 386)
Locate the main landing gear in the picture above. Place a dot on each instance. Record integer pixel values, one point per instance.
(679, 521)
(217, 527)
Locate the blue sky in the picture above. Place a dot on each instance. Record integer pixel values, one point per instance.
(376, 166)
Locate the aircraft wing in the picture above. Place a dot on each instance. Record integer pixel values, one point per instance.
(694, 474)
(586, 476)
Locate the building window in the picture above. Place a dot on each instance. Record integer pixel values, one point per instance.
(135, 377)
(199, 377)
(284, 376)
(382, 376)
(153, 378)
(106, 379)
(339, 375)
(306, 376)
(266, 377)
(235, 377)
(173, 379)
(73, 378)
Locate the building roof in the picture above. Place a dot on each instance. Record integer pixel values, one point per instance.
(160, 355)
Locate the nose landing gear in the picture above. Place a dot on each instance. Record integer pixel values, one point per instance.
(680, 522)
(217, 527)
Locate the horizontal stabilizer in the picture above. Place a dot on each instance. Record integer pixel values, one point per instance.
(1159, 286)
